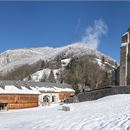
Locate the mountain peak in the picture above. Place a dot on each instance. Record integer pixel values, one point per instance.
(12, 59)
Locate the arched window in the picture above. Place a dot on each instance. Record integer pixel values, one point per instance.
(46, 98)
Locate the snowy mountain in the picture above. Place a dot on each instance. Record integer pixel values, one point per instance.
(12, 59)
(54, 64)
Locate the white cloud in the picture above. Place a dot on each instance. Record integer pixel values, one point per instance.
(93, 34)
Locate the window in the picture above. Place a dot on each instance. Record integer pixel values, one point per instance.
(53, 98)
(125, 38)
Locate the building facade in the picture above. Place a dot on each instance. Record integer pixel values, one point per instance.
(23, 94)
(18, 101)
(125, 59)
(54, 92)
(13, 96)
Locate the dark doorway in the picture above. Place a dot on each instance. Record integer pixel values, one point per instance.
(3, 106)
(53, 98)
(46, 98)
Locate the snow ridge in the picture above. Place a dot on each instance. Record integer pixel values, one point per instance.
(12, 59)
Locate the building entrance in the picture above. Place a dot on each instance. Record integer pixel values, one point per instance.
(3, 106)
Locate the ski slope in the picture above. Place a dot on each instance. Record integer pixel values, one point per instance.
(108, 113)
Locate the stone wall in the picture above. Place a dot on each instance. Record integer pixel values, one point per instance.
(96, 94)
(128, 65)
(123, 62)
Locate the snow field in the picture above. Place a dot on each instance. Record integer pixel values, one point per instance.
(108, 113)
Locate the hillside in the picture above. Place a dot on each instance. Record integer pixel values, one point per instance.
(36, 63)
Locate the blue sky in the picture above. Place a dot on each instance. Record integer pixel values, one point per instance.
(38, 24)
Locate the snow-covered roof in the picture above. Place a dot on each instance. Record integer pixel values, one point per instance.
(12, 86)
(55, 89)
(44, 89)
(11, 89)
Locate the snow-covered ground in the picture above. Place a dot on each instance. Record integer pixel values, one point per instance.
(37, 76)
(108, 113)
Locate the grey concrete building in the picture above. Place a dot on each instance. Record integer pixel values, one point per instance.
(125, 59)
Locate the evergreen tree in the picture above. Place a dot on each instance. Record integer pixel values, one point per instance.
(103, 59)
(29, 77)
(51, 77)
(44, 78)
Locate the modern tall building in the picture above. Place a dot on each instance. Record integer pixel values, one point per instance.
(125, 59)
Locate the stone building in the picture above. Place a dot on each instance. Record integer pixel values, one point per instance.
(115, 79)
(125, 59)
